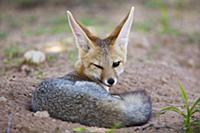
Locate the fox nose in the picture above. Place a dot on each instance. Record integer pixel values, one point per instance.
(111, 81)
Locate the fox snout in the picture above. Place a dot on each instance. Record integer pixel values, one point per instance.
(111, 81)
(109, 78)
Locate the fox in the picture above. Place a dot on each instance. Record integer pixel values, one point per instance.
(83, 95)
(101, 60)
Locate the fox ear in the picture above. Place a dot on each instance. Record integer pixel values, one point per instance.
(81, 34)
(121, 32)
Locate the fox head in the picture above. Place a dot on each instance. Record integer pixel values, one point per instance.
(101, 60)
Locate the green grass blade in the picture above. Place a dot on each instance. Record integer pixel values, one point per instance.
(183, 93)
(196, 122)
(196, 125)
(174, 109)
(196, 103)
(80, 129)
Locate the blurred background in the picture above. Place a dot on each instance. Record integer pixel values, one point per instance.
(164, 30)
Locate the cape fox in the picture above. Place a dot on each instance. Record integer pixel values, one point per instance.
(101, 60)
(82, 96)
(73, 99)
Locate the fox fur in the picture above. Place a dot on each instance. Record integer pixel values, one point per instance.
(101, 60)
(83, 95)
(73, 99)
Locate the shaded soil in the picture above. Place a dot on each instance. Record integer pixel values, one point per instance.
(155, 63)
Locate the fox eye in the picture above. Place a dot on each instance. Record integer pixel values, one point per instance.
(100, 67)
(116, 64)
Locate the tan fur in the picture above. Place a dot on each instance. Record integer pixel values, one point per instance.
(101, 52)
(102, 56)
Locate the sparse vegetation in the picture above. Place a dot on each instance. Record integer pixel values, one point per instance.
(54, 26)
(87, 21)
(145, 26)
(51, 58)
(166, 27)
(153, 3)
(159, 3)
(12, 51)
(165, 19)
(12, 56)
(14, 23)
(39, 73)
(187, 111)
(180, 3)
(31, 19)
(72, 56)
(12, 63)
(3, 35)
(112, 130)
(193, 37)
(80, 130)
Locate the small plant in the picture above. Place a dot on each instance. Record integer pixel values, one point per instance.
(12, 52)
(166, 27)
(12, 57)
(39, 74)
(113, 129)
(51, 58)
(80, 130)
(187, 111)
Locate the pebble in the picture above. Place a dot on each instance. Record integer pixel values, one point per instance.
(34, 56)
(163, 80)
(3, 99)
(191, 63)
(41, 114)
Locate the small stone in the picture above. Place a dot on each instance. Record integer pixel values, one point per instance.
(34, 56)
(41, 114)
(19, 126)
(3, 99)
(164, 63)
(191, 63)
(163, 80)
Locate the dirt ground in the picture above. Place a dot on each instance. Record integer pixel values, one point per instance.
(159, 56)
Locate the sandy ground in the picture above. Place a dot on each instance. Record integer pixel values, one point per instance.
(155, 62)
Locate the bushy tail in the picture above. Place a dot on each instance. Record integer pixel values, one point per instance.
(137, 107)
(89, 104)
